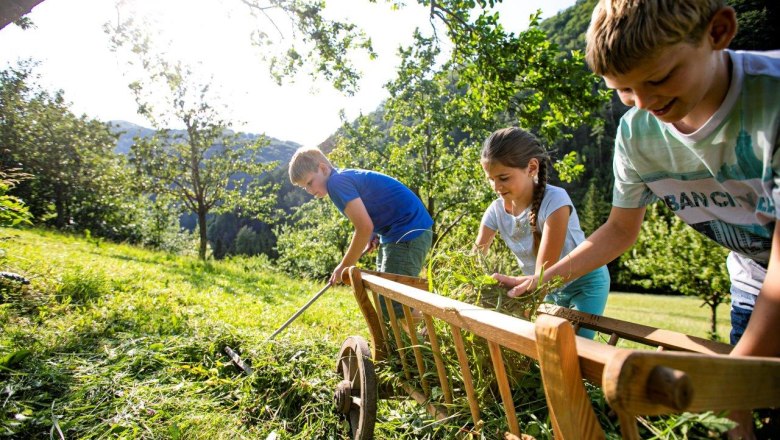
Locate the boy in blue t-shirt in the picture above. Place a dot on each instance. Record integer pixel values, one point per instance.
(703, 136)
(377, 205)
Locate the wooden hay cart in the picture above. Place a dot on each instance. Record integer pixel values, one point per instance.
(684, 373)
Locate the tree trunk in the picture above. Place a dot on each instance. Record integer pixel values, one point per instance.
(59, 204)
(714, 320)
(202, 230)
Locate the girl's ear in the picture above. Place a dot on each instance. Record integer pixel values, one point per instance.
(723, 27)
(533, 165)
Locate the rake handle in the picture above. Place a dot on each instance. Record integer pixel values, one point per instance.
(301, 310)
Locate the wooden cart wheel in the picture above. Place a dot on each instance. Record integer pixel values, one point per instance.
(356, 394)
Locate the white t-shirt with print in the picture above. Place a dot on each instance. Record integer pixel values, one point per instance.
(723, 179)
(516, 231)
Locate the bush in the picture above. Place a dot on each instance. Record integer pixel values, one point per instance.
(315, 243)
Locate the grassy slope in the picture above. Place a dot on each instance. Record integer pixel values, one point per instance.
(112, 340)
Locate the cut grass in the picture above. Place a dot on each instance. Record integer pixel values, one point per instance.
(113, 341)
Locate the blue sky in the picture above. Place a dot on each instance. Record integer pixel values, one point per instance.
(74, 53)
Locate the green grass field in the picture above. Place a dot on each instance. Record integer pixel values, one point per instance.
(678, 313)
(113, 341)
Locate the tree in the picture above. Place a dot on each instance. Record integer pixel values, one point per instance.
(671, 255)
(207, 168)
(758, 24)
(428, 134)
(315, 240)
(322, 44)
(594, 208)
(76, 182)
(248, 242)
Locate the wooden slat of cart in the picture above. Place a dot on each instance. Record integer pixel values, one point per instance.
(418, 356)
(503, 387)
(400, 347)
(441, 371)
(570, 408)
(378, 332)
(514, 333)
(468, 382)
(652, 336)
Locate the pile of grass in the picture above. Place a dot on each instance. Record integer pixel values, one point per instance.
(465, 275)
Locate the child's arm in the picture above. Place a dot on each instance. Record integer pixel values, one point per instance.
(762, 335)
(550, 248)
(485, 238)
(609, 241)
(356, 212)
(553, 237)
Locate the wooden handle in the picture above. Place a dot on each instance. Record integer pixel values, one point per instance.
(670, 387)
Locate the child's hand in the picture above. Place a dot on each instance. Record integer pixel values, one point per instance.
(371, 245)
(506, 280)
(335, 278)
(519, 285)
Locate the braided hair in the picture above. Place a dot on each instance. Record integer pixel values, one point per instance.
(514, 147)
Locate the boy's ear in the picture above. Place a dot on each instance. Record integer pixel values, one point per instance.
(723, 28)
(324, 168)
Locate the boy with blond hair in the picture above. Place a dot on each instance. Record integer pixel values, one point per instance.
(702, 136)
(377, 205)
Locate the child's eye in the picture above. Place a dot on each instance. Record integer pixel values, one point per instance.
(659, 82)
(662, 80)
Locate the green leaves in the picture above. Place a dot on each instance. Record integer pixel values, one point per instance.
(12, 360)
(71, 178)
(13, 211)
(569, 167)
(303, 39)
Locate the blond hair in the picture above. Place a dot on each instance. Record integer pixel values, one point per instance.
(623, 33)
(306, 160)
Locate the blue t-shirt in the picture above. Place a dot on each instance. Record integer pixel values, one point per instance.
(397, 213)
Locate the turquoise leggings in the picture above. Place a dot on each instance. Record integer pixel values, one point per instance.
(587, 294)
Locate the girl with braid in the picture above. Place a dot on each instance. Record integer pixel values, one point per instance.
(537, 221)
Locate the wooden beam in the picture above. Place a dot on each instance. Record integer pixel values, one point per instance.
(656, 337)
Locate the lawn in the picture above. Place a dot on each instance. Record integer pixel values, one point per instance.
(679, 313)
(111, 340)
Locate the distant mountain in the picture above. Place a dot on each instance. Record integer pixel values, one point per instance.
(277, 150)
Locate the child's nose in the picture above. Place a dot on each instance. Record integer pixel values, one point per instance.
(644, 99)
